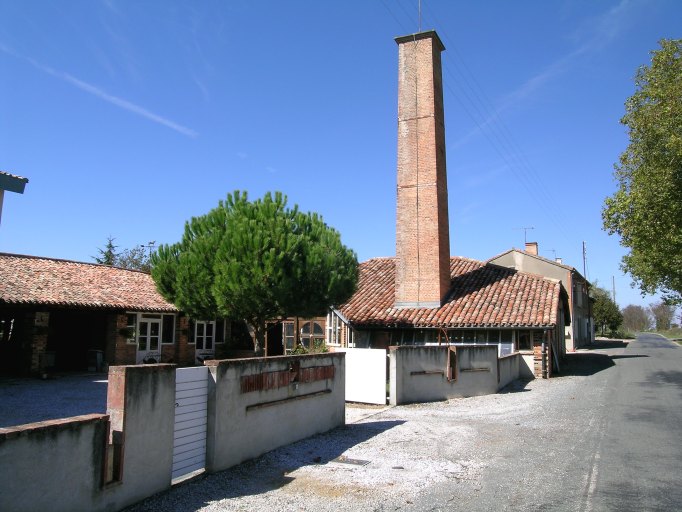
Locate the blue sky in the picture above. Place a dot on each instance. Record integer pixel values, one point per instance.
(130, 117)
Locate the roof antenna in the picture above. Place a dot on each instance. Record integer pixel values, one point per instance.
(420, 15)
(525, 233)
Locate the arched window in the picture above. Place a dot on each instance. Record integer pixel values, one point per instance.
(312, 334)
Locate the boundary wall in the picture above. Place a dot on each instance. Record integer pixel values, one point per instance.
(429, 373)
(106, 462)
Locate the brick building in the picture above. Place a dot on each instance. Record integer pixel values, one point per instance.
(69, 316)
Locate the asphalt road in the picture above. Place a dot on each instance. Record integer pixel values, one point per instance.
(637, 460)
(614, 443)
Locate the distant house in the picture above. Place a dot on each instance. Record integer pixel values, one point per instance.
(580, 332)
(71, 316)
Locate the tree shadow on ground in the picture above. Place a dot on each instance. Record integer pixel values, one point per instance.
(583, 364)
(265, 473)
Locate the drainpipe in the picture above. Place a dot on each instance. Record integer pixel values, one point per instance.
(544, 359)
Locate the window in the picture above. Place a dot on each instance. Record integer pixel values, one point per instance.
(312, 334)
(469, 337)
(288, 335)
(168, 330)
(506, 342)
(131, 327)
(333, 329)
(134, 323)
(525, 342)
(204, 335)
(220, 328)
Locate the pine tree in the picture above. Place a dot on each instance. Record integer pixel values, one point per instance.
(256, 261)
(108, 255)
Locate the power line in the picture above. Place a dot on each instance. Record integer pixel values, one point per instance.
(491, 126)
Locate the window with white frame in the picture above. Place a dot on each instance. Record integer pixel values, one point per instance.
(333, 329)
(204, 335)
(288, 335)
(131, 327)
(167, 327)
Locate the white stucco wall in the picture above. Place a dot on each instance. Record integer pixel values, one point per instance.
(419, 373)
(243, 424)
(57, 465)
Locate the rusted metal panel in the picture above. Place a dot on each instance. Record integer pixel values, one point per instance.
(282, 378)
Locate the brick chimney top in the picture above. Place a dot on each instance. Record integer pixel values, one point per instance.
(422, 35)
(532, 248)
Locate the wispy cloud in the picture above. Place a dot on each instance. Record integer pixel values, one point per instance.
(591, 36)
(103, 95)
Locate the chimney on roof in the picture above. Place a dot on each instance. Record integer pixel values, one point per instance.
(532, 248)
(560, 261)
(422, 237)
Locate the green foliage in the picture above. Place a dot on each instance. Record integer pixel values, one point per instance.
(646, 210)
(636, 318)
(107, 256)
(256, 261)
(604, 310)
(136, 258)
(663, 315)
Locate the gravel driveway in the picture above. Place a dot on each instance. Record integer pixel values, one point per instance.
(30, 400)
(416, 457)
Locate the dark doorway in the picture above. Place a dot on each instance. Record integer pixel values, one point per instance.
(15, 345)
(274, 336)
(75, 337)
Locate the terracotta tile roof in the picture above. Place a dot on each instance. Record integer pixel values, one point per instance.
(30, 280)
(482, 295)
(4, 173)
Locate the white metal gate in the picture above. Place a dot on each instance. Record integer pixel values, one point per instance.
(189, 440)
(366, 375)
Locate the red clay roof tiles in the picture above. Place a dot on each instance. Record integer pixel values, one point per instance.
(481, 295)
(29, 280)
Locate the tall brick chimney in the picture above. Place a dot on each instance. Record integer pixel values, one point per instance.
(422, 237)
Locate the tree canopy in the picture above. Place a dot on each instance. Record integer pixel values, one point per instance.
(604, 310)
(137, 258)
(636, 318)
(663, 315)
(646, 210)
(256, 261)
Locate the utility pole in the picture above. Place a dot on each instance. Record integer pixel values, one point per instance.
(584, 260)
(613, 285)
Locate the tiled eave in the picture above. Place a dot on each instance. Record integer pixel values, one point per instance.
(89, 305)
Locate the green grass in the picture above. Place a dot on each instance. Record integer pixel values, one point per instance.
(673, 334)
